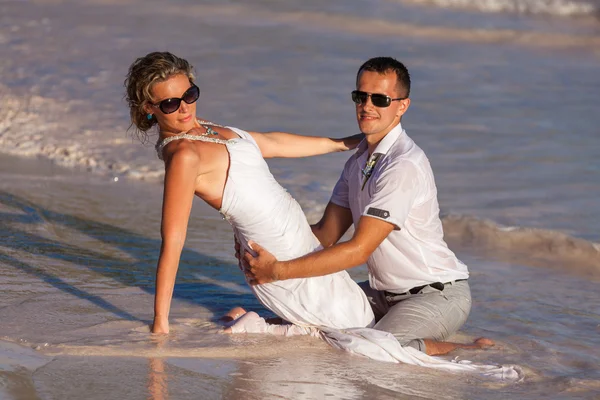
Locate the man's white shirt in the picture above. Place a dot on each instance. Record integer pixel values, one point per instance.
(400, 190)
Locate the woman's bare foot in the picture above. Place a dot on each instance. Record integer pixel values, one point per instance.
(229, 318)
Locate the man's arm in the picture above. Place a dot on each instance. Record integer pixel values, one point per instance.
(282, 144)
(335, 222)
(369, 234)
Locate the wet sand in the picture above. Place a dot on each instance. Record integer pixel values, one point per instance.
(78, 264)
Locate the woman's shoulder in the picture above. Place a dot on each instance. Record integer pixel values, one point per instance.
(183, 151)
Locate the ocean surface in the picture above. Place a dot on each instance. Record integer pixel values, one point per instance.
(505, 102)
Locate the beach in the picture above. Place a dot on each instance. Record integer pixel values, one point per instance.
(503, 103)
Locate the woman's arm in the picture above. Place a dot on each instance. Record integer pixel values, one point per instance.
(282, 144)
(181, 170)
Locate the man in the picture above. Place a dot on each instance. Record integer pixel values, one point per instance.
(417, 287)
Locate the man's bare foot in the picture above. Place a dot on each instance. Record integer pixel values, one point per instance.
(435, 348)
(484, 343)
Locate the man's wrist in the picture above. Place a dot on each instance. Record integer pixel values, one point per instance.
(279, 271)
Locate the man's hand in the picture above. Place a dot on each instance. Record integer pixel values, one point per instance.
(260, 269)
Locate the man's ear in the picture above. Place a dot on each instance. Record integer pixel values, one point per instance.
(404, 104)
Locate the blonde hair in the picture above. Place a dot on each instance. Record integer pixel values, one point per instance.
(142, 75)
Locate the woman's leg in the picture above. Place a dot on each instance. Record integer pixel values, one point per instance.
(232, 315)
(251, 322)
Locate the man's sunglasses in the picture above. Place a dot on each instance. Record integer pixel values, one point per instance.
(378, 100)
(171, 105)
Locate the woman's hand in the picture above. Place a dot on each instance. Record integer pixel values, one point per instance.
(351, 142)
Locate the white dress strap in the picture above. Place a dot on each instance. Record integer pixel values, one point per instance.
(203, 138)
(161, 145)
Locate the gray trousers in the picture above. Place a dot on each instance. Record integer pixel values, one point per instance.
(429, 314)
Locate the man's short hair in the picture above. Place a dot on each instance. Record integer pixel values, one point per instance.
(383, 65)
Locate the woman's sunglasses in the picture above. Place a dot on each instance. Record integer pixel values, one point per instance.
(171, 105)
(378, 100)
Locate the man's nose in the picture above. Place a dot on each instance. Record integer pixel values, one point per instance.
(368, 103)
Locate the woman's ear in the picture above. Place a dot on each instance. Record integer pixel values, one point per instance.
(148, 109)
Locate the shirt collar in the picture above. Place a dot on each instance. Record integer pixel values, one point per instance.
(385, 144)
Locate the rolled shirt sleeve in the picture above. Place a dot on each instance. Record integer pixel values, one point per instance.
(396, 191)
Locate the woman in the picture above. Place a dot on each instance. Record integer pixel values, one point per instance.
(225, 167)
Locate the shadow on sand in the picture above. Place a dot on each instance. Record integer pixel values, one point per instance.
(136, 270)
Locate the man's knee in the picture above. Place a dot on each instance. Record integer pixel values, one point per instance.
(429, 316)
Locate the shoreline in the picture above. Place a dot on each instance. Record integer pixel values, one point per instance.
(527, 246)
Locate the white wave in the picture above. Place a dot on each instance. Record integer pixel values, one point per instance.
(540, 247)
(33, 126)
(548, 7)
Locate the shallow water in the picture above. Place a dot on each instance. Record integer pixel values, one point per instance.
(77, 270)
(508, 120)
(504, 104)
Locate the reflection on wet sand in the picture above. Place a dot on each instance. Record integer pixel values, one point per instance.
(158, 388)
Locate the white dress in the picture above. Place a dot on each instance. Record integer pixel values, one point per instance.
(260, 209)
(332, 307)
